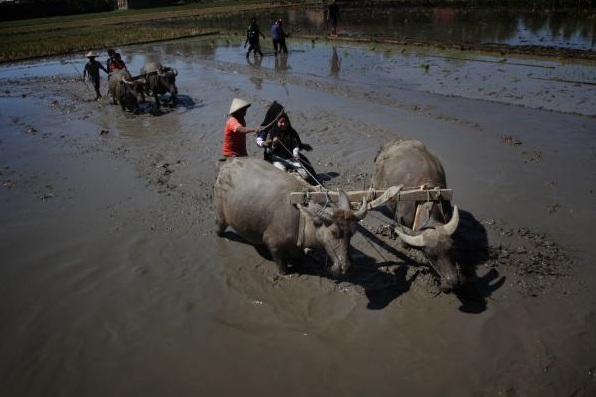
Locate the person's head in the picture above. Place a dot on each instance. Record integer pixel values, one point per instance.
(278, 21)
(283, 122)
(91, 55)
(111, 52)
(253, 20)
(239, 107)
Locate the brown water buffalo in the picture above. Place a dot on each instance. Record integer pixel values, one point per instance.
(125, 90)
(253, 198)
(409, 162)
(159, 81)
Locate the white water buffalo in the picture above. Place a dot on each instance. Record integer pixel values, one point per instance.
(409, 162)
(160, 80)
(253, 198)
(125, 90)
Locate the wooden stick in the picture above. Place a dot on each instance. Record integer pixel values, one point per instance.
(358, 195)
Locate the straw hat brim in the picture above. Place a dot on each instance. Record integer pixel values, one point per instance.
(91, 54)
(238, 104)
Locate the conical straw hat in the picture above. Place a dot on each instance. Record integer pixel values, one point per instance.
(91, 54)
(238, 104)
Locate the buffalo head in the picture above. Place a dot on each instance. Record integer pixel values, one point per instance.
(168, 77)
(332, 231)
(131, 93)
(436, 242)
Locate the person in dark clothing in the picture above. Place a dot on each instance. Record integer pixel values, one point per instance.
(333, 16)
(284, 147)
(275, 110)
(278, 36)
(92, 68)
(252, 38)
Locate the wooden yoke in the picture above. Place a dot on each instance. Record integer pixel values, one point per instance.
(374, 197)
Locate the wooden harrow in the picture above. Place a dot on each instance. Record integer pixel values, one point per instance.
(424, 197)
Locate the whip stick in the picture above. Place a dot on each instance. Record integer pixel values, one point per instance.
(80, 75)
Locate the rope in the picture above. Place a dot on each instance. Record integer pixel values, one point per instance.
(283, 108)
(80, 75)
(299, 160)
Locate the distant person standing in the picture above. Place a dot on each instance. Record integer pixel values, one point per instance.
(252, 38)
(278, 36)
(92, 68)
(333, 16)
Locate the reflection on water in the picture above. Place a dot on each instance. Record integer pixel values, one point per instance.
(570, 29)
(334, 63)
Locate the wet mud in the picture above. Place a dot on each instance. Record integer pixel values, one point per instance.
(111, 265)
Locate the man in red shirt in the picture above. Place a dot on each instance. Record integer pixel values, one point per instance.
(234, 143)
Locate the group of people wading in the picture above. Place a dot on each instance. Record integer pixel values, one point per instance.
(278, 35)
(280, 142)
(278, 38)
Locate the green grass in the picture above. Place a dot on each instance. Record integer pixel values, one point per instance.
(27, 39)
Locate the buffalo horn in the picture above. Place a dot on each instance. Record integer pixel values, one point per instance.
(344, 200)
(361, 213)
(317, 211)
(415, 241)
(451, 226)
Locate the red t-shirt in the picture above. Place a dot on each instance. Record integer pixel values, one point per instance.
(234, 143)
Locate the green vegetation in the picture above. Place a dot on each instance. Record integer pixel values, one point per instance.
(42, 37)
(26, 39)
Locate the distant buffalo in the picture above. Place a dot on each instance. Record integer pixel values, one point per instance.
(125, 90)
(159, 81)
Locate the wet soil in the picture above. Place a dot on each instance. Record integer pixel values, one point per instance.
(113, 281)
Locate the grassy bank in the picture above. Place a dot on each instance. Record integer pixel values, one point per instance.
(27, 39)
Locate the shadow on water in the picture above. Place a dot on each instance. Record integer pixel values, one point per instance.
(380, 287)
(184, 103)
(472, 250)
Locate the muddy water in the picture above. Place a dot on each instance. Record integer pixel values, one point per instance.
(571, 29)
(113, 282)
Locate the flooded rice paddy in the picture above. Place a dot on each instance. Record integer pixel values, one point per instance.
(112, 280)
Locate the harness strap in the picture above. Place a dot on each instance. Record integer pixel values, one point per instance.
(301, 227)
(389, 193)
(422, 215)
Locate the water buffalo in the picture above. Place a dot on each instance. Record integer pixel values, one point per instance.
(125, 90)
(409, 162)
(160, 80)
(253, 198)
